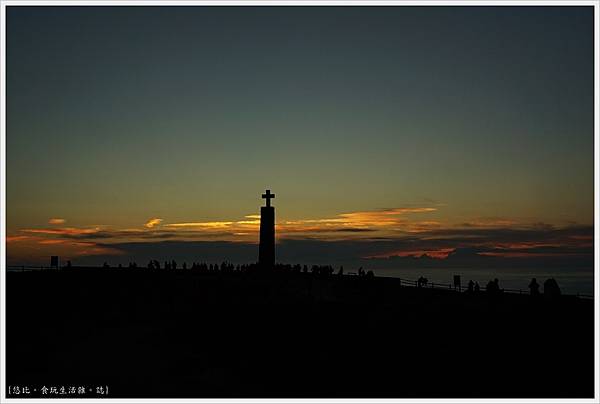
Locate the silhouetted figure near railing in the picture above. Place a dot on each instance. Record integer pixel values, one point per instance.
(551, 288)
(470, 286)
(534, 287)
(477, 287)
(105, 265)
(173, 264)
(69, 264)
(422, 281)
(341, 271)
(493, 287)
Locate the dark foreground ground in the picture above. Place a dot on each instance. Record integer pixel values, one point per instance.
(184, 334)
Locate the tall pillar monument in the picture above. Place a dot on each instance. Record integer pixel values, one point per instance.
(266, 248)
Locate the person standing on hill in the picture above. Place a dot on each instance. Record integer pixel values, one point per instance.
(534, 287)
(551, 288)
(470, 287)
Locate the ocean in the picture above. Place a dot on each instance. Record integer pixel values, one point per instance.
(570, 281)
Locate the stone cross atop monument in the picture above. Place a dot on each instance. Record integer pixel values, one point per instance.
(266, 248)
(268, 196)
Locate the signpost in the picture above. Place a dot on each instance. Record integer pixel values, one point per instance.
(457, 282)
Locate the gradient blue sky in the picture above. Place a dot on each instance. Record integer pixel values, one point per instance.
(470, 116)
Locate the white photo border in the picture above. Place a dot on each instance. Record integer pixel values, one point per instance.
(7, 3)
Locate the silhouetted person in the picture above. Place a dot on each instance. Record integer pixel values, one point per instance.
(105, 265)
(477, 287)
(493, 287)
(470, 286)
(69, 264)
(534, 287)
(422, 281)
(341, 271)
(551, 288)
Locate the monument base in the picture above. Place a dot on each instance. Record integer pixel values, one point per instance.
(266, 248)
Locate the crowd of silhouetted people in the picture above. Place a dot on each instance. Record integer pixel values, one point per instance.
(551, 287)
(322, 271)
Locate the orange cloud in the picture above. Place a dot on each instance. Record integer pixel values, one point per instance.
(344, 226)
(12, 239)
(524, 245)
(383, 217)
(69, 231)
(57, 221)
(88, 248)
(52, 241)
(382, 220)
(202, 225)
(153, 222)
(440, 253)
(522, 254)
(340, 226)
(490, 222)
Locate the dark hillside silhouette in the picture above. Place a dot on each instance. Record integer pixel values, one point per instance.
(224, 331)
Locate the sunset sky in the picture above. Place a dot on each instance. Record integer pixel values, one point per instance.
(392, 131)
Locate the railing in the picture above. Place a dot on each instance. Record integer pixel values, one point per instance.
(403, 282)
(449, 286)
(23, 268)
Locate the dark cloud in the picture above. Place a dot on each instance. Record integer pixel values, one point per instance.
(534, 245)
(493, 248)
